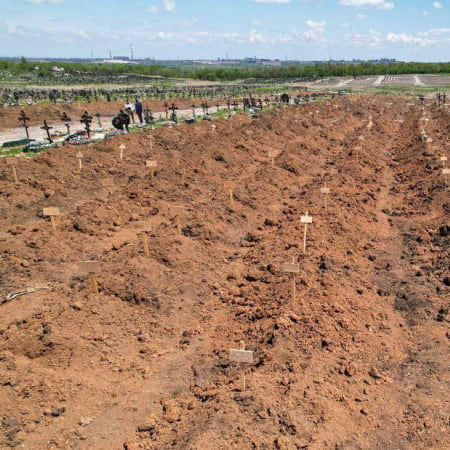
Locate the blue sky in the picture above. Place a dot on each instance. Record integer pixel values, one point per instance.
(207, 29)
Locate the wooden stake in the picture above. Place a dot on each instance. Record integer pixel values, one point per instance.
(306, 220)
(16, 180)
(53, 222)
(180, 231)
(94, 284)
(12, 161)
(292, 268)
(122, 148)
(145, 244)
(52, 212)
(243, 386)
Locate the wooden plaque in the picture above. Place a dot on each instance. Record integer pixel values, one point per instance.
(79, 155)
(325, 190)
(145, 226)
(334, 172)
(429, 140)
(274, 153)
(229, 185)
(151, 163)
(241, 356)
(51, 211)
(443, 158)
(445, 171)
(11, 161)
(291, 268)
(108, 182)
(89, 266)
(306, 219)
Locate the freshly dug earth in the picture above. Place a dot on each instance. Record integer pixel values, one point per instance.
(358, 361)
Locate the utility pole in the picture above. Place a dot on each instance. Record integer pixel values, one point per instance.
(131, 52)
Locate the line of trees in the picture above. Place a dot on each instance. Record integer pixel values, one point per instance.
(44, 70)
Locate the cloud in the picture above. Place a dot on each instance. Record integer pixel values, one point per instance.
(169, 5)
(404, 38)
(438, 5)
(379, 4)
(371, 39)
(361, 16)
(315, 30)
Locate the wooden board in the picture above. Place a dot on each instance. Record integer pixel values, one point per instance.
(229, 185)
(443, 158)
(51, 211)
(122, 147)
(79, 155)
(241, 356)
(89, 266)
(274, 153)
(306, 219)
(445, 171)
(11, 161)
(151, 163)
(325, 190)
(145, 226)
(291, 268)
(334, 172)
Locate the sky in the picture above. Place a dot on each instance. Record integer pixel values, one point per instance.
(407, 30)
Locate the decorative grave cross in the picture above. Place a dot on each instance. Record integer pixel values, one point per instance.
(66, 119)
(98, 120)
(80, 157)
(24, 119)
(145, 227)
(86, 119)
(152, 165)
(122, 147)
(91, 268)
(326, 191)
(294, 269)
(306, 219)
(47, 129)
(52, 212)
(12, 161)
(230, 186)
(242, 356)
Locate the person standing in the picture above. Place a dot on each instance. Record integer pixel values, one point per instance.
(138, 108)
(129, 108)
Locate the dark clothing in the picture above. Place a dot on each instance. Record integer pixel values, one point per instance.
(117, 123)
(138, 107)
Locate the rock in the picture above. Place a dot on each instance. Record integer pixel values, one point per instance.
(84, 421)
(9, 422)
(295, 318)
(364, 411)
(55, 412)
(444, 231)
(446, 281)
(80, 225)
(350, 370)
(77, 306)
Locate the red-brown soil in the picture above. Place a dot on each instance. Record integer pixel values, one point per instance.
(358, 361)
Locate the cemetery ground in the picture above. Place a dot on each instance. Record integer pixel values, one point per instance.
(357, 360)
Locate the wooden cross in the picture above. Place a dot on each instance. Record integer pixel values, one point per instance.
(12, 161)
(306, 219)
(242, 356)
(86, 119)
(47, 129)
(326, 191)
(294, 269)
(152, 165)
(91, 268)
(66, 119)
(23, 118)
(52, 212)
(80, 157)
(122, 147)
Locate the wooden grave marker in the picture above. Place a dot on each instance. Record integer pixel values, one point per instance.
(242, 356)
(12, 161)
(273, 154)
(326, 191)
(306, 220)
(91, 268)
(213, 129)
(80, 156)
(443, 160)
(144, 228)
(122, 147)
(230, 186)
(178, 210)
(152, 165)
(51, 212)
(294, 269)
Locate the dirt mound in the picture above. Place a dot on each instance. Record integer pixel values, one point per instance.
(357, 360)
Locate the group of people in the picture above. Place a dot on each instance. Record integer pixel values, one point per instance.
(122, 120)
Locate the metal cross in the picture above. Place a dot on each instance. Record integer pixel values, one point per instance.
(98, 119)
(66, 119)
(47, 129)
(86, 119)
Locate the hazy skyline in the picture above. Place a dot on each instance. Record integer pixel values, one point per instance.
(192, 29)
